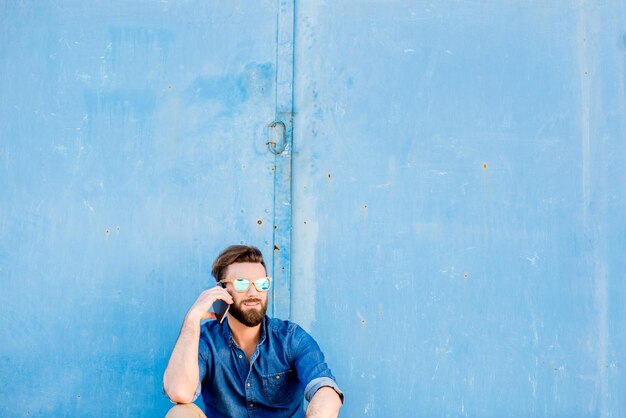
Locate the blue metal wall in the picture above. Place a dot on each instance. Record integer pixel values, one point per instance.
(449, 223)
(132, 149)
(459, 205)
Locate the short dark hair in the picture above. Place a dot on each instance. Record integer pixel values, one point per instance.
(235, 254)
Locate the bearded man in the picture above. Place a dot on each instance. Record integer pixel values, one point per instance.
(248, 365)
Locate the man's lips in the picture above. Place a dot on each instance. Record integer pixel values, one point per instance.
(252, 302)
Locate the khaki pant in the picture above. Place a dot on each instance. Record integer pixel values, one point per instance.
(186, 410)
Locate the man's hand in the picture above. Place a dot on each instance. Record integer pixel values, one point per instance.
(324, 404)
(199, 311)
(182, 374)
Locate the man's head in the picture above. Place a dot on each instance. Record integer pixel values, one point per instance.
(243, 262)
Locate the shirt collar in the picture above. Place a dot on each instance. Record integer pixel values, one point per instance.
(264, 326)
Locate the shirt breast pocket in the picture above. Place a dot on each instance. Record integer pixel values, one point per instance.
(280, 388)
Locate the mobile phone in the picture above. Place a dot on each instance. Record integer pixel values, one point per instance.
(220, 308)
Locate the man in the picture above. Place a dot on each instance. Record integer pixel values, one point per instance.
(249, 365)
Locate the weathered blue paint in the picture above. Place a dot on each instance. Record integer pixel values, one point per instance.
(449, 206)
(459, 202)
(132, 149)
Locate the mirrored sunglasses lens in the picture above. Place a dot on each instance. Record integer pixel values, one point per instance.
(262, 284)
(241, 285)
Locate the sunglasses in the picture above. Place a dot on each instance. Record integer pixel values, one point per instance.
(262, 284)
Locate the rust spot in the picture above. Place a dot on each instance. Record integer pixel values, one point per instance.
(275, 226)
(466, 276)
(276, 248)
(364, 206)
(485, 166)
(363, 321)
(107, 232)
(329, 175)
(305, 222)
(259, 221)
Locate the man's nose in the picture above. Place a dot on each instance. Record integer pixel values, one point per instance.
(252, 290)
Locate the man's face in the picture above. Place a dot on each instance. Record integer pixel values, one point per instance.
(248, 307)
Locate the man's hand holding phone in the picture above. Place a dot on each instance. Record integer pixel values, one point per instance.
(217, 297)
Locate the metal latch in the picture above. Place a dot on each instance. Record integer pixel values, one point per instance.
(277, 147)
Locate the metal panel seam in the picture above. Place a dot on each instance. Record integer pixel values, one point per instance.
(282, 161)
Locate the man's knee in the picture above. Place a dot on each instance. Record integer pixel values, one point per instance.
(187, 410)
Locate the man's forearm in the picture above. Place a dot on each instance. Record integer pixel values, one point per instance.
(325, 403)
(182, 374)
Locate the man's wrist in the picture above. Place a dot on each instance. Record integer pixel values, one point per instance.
(192, 321)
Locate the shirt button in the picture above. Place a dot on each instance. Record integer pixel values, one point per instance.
(240, 356)
(277, 377)
(251, 405)
(248, 384)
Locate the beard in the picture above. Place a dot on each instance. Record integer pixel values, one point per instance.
(249, 317)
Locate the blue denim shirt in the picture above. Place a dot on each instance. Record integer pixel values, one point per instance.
(286, 367)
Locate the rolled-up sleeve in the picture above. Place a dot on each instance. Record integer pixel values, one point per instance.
(320, 382)
(310, 365)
